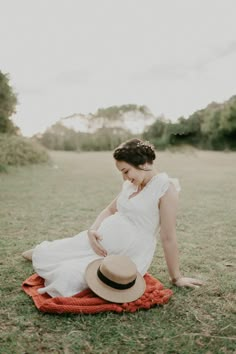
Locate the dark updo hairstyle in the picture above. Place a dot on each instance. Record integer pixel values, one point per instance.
(135, 152)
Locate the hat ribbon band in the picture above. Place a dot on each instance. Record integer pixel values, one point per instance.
(114, 284)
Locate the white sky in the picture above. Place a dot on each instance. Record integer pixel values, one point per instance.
(74, 56)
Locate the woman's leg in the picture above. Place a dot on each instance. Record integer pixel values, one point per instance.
(28, 254)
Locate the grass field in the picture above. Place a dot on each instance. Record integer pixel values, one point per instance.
(60, 199)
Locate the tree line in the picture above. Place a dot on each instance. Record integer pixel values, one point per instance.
(59, 137)
(212, 128)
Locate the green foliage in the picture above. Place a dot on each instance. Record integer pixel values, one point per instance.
(212, 128)
(113, 116)
(156, 133)
(116, 112)
(8, 103)
(16, 150)
(58, 137)
(3, 169)
(105, 139)
(219, 125)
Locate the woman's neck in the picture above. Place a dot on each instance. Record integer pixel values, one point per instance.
(148, 178)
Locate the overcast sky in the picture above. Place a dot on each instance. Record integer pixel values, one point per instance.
(74, 56)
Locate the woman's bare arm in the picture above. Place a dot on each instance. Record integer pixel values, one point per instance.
(109, 210)
(93, 235)
(168, 211)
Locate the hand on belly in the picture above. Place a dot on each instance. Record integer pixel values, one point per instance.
(117, 236)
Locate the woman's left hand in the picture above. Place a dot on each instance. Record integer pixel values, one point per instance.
(188, 282)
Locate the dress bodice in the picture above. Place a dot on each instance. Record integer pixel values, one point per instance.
(142, 209)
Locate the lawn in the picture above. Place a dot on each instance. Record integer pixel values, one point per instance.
(47, 202)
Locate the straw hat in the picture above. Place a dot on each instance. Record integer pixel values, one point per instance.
(115, 278)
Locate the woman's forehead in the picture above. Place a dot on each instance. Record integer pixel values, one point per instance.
(122, 165)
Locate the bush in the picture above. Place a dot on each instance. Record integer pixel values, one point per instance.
(16, 150)
(3, 169)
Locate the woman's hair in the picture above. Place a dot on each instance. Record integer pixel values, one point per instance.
(135, 152)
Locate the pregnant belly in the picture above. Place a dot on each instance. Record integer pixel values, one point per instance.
(118, 234)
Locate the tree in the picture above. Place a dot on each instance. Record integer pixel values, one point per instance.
(8, 101)
(114, 116)
(156, 133)
(227, 125)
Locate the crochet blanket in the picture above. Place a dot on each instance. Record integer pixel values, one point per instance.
(87, 302)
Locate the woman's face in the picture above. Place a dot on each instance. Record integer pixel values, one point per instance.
(131, 173)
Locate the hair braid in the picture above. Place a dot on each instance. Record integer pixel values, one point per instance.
(135, 152)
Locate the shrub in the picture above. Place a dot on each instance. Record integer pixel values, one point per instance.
(17, 150)
(3, 169)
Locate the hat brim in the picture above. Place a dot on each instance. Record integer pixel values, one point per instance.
(108, 293)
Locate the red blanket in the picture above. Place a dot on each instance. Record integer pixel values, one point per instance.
(87, 302)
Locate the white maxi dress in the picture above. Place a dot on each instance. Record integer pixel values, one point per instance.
(131, 231)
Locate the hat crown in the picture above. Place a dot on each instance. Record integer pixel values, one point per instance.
(115, 278)
(119, 269)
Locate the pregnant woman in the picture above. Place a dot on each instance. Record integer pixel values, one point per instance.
(128, 226)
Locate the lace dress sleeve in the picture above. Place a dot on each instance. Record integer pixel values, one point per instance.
(165, 181)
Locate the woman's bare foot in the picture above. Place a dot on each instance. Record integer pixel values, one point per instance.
(28, 254)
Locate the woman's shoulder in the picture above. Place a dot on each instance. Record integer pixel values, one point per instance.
(162, 176)
(164, 181)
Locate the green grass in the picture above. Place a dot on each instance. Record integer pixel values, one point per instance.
(42, 202)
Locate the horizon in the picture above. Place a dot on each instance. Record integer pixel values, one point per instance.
(136, 129)
(91, 55)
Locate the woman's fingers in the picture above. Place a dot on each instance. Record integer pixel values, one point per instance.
(195, 281)
(198, 282)
(100, 248)
(94, 239)
(96, 248)
(98, 237)
(97, 240)
(189, 282)
(190, 285)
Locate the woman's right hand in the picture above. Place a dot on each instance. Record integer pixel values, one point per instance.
(94, 240)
